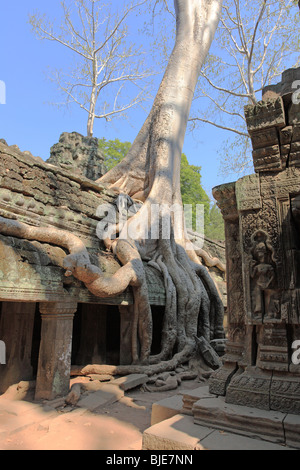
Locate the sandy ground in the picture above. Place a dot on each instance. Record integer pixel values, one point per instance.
(28, 425)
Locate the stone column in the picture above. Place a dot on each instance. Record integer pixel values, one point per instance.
(225, 196)
(53, 376)
(16, 328)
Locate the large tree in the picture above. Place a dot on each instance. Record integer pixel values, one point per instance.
(151, 173)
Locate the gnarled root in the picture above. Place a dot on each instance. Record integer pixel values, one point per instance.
(163, 366)
(209, 261)
(78, 263)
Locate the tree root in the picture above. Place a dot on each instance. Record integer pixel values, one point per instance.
(171, 383)
(209, 261)
(163, 366)
(186, 296)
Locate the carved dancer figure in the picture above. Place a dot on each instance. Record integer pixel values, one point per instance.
(262, 272)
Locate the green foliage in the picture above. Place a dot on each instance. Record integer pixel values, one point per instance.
(113, 151)
(192, 191)
(215, 228)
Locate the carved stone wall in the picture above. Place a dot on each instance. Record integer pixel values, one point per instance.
(32, 273)
(262, 223)
(79, 154)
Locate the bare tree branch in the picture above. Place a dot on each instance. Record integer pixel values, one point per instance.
(220, 126)
(255, 42)
(99, 38)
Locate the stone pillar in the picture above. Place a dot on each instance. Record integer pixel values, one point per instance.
(263, 260)
(53, 376)
(92, 348)
(16, 329)
(225, 196)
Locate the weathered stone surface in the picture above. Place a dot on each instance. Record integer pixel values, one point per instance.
(34, 191)
(234, 417)
(189, 397)
(105, 396)
(79, 154)
(267, 159)
(54, 364)
(285, 393)
(282, 431)
(220, 440)
(292, 430)
(176, 433)
(286, 87)
(166, 408)
(250, 387)
(264, 138)
(130, 381)
(275, 145)
(247, 192)
(265, 114)
(41, 194)
(262, 226)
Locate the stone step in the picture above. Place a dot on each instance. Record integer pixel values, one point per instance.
(181, 403)
(176, 433)
(189, 397)
(270, 425)
(166, 408)
(181, 433)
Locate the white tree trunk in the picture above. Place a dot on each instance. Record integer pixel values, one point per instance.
(165, 127)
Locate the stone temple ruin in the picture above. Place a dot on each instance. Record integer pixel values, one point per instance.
(50, 322)
(262, 229)
(256, 392)
(79, 154)
(261, 214)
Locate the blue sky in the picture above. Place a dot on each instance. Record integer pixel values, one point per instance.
(29, 121)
